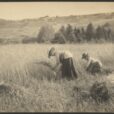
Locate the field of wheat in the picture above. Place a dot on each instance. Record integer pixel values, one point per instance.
(29, 85)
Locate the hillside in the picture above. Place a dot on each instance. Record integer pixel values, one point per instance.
(17, 30)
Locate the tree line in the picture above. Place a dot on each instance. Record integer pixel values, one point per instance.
(70, 34)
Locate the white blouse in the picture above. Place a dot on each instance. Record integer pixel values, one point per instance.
(65, 54)
(92, 60)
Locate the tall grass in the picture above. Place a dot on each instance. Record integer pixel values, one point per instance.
(28, 83)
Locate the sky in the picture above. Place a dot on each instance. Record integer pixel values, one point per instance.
(23, 10)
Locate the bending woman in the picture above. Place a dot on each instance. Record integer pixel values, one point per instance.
(65, 58)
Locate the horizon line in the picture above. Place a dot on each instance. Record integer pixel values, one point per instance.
(56, 16)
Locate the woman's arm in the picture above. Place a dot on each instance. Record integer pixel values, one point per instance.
(57, 66)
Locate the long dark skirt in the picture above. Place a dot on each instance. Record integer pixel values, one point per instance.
(68, 69)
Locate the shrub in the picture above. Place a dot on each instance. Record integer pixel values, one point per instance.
(59, 38)
(46, 33)
(99, 92)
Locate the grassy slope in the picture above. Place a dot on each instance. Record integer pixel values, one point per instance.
(30, 27)
(32, 87)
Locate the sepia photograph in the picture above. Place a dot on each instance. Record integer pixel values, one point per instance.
(57, 56)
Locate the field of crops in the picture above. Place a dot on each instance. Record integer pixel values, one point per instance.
(28, 85)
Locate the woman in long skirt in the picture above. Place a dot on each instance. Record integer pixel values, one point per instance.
(66, 60)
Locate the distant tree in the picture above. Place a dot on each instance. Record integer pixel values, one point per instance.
(103, 33)
(46, 34)
(75, 30)
(72, 37)
(63, 30)
(82, 30)
(70, 34)
(78, 35)
(90, 33)
(106, 25)
(83, 34)
(99, 33)
(59, 38)
(107, 31)
(69, 28)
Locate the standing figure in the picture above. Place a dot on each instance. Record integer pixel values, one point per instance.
(65, 58)
(93, 65)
